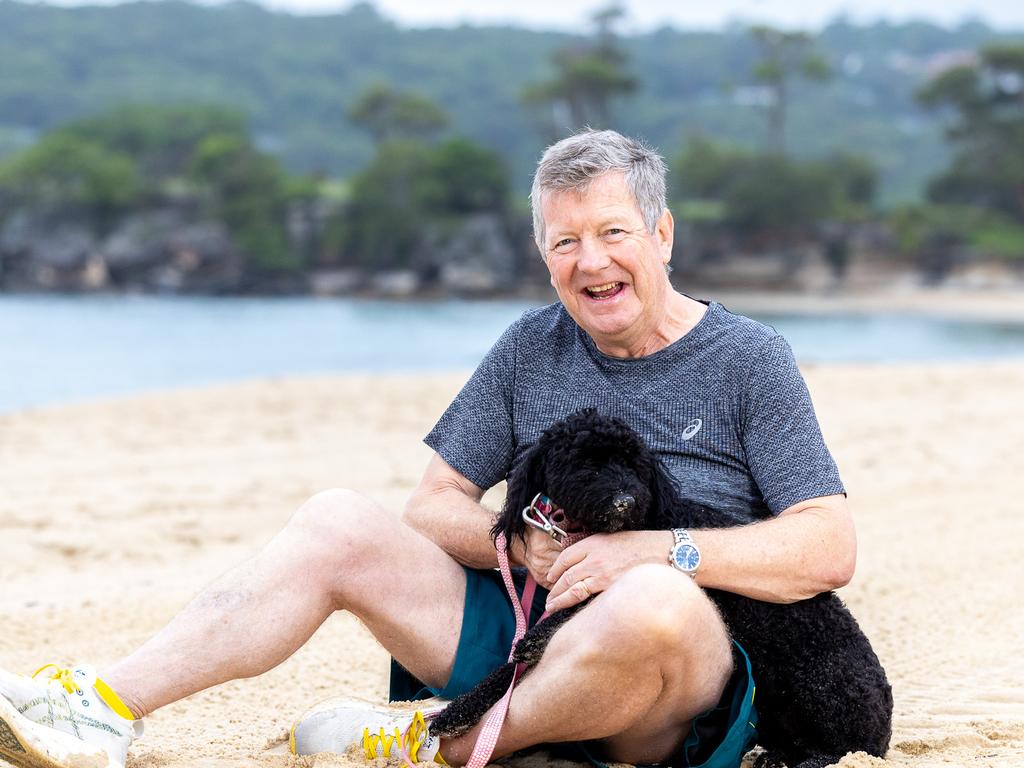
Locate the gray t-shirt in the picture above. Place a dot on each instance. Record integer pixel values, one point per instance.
(724, 407)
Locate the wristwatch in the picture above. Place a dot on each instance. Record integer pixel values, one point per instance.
(685, 554)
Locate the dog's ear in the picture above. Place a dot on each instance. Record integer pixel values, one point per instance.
(524, 483)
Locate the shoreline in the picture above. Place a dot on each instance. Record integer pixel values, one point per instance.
(944, 302)
(947, 303)
(898, 311)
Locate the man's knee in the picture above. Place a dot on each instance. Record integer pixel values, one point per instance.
(331, 512)
(655, 617)
(655, 609)
(342, 524)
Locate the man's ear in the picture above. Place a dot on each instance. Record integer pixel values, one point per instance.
(665, 230)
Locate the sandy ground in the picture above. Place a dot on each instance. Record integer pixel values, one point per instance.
(983, 305)
(113, 514)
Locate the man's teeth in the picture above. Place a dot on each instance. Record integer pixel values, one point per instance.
(603, 288)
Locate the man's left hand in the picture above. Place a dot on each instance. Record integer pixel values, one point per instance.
(592, 565)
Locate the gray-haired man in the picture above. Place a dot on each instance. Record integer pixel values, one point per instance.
(646, 672)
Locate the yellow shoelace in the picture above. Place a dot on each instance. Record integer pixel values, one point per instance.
(65, 677)
(62, 675)
(408, 743)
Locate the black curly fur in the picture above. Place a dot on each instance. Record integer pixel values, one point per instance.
(821, 691)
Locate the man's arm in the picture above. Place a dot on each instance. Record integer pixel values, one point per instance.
(446, 508)
(811, 547)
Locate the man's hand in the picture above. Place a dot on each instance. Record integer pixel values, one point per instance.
(592, 565)
(538, 554)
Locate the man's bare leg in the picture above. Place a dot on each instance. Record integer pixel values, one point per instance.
(337, 552)
(633, 669)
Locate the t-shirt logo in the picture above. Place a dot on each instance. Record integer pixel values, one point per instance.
(692, 429)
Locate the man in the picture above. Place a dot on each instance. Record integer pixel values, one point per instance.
(717, 396)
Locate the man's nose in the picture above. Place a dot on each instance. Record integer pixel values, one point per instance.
(593, 255)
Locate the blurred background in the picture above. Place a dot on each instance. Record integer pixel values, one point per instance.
(201, 192)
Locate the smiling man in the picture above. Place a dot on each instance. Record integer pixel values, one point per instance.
(609, 267)
(646, 672)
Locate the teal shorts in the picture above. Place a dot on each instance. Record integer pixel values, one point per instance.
(718, 738)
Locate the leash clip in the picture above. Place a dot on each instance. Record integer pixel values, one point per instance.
(540, 514)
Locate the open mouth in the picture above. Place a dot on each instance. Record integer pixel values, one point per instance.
(604, 292)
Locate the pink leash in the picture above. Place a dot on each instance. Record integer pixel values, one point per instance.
(491, 729)
(488, 737)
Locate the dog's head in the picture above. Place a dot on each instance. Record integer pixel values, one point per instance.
(596, 469)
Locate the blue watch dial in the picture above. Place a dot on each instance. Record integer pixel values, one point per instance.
(687, 557)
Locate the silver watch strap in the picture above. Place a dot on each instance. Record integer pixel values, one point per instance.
(681, 535)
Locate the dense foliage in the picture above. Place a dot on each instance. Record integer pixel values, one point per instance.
(295, 79)
(106, 165)
(977, 204)
(408, 196)
(418, 193)
(987, 131)
(65, 169)
(770, 197)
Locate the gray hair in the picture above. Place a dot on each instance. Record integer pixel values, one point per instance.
(574, 162)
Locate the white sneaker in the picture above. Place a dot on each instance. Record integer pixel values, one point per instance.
(68, 719)
(369, 730)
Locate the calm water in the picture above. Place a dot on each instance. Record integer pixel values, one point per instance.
(64, 349)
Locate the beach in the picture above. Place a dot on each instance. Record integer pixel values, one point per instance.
(115, 513)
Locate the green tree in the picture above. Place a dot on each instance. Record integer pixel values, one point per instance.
(383, 227)
(777, 197)
(769, 195)
(986, 102)
(855, 179)
(588, 76)
(785, 56)
(388, 114)
(465, 178)
(248, 191)
(705, 169)
(161, 138)
(410, 193)
(64, 170)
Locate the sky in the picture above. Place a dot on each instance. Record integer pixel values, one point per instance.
(646, 14)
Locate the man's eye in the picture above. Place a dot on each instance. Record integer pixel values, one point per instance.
(614, 233)
(564, 245)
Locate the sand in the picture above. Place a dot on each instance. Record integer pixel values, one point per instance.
(1001, 306)
(113, 514)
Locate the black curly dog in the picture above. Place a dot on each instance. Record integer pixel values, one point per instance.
(821, 691)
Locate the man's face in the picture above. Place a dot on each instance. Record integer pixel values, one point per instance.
(608, 271)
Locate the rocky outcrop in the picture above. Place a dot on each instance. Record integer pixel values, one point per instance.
(162, 250)
(171, 249)
(476, 258)
(45, 252)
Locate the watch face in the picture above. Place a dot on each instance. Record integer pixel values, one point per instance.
(687, 557)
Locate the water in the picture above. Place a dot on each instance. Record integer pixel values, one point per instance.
(67, 349)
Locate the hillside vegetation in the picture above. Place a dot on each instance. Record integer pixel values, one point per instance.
(296, 77)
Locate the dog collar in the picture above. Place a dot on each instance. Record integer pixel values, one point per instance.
(543, 515)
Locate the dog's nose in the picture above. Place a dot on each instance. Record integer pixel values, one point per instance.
(623, 502)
